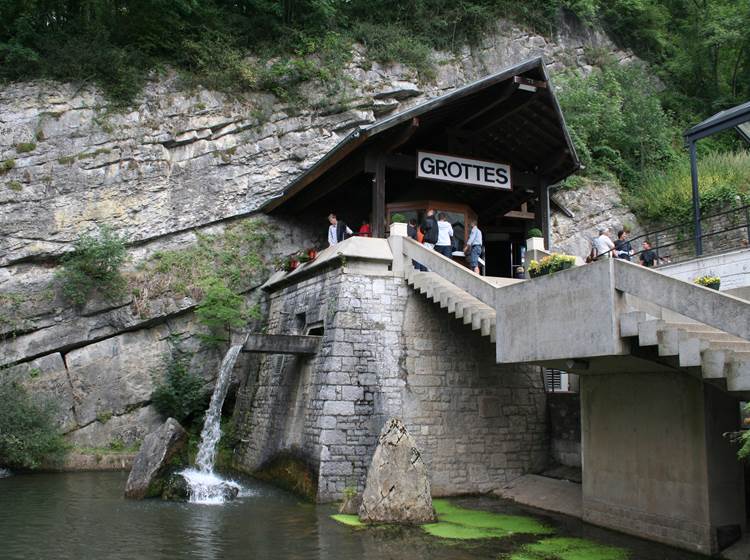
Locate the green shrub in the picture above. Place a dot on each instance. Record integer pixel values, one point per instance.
(7, 165)
(28, 434)
(666, 196)
(398, 218)
(181, 394)
(220, 309)
(534, 232)
(15, 186)
(25, 147)
(94, 264)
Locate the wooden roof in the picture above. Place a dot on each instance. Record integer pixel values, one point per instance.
(511, 117)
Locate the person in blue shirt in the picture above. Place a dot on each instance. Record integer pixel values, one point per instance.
(473, 247)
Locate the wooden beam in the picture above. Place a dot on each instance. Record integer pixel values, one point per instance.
(331, 181)
(522, 214)
(282, 344)
(507, 91)
(494, 122)
(378, 199)
(529, 82)
(379, 149)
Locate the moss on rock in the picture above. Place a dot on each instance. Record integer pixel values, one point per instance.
(455, 522)
(565, 548)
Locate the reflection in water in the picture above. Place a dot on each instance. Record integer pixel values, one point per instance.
(84, 516)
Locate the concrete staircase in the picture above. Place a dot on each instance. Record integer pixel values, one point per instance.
(715, 356)
(459, 303)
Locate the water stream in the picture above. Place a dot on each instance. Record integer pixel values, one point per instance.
(206, 487)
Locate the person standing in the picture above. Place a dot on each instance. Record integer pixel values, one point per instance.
(445, 233)
(411, 232)
(603, 244)
(473, 247)
(623, 250)
(430, 229)
(364, 229)
(647, 256)
(337, 231)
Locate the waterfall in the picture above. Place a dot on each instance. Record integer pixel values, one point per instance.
(211, 432)
(205, 486)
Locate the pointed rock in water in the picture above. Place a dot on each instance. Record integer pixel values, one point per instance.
(351, 505)
(154, 459)
(397, 489)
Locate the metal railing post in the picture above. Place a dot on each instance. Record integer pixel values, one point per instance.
(696, 200)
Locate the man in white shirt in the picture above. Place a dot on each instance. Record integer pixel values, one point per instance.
(445, 232)
(603, 244)
(337, 231)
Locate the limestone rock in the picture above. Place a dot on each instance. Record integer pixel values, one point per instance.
(176, 488)
(154, 458)
(397, 489)
(351, 505)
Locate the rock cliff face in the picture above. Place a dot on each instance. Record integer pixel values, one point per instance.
(594, 205)
(175, 164)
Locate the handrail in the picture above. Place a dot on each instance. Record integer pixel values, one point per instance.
(690, 224)
(710, 307)
(468, 280)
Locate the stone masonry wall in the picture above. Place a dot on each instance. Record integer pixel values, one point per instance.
(388, 352)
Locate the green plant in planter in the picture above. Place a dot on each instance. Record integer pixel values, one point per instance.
(398, 218)
(713, 282)
(550, 264)
(534, 232)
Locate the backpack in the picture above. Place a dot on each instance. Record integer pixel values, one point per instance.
(592, 255)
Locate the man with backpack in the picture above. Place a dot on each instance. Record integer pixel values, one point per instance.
(337, 231)
(429, 228)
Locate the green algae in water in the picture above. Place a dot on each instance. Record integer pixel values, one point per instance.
(563, 548)
(351, 520)
(455, 522)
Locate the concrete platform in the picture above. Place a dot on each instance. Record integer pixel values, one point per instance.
(560, 496)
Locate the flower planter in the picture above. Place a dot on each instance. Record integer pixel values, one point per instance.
(399, 229)
(535, 244)
(712, 282)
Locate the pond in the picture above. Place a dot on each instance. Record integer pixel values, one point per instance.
(83, 515)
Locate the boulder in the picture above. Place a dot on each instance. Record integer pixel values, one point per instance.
(176, 488)
(154, 460)
(351, 505)
(397, 489)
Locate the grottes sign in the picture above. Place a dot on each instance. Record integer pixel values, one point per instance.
(442, 167)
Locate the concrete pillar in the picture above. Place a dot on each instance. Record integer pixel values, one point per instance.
(655, 463)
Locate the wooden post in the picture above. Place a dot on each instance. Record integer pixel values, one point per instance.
(545, 212)
(378, 198)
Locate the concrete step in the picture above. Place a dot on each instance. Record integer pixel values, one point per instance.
(629, 322)
(459, 303)
(648, 332)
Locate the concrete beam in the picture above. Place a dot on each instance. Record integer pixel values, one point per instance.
(282, 344)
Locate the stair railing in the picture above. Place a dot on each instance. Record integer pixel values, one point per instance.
(462, 277)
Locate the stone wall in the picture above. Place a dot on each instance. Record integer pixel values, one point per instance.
(388, 352)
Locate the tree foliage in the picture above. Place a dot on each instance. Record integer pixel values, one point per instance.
(617, 122)
(181, 395)
(28, 434)
(94, 264)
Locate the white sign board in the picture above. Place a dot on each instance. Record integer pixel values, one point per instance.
(440, 167)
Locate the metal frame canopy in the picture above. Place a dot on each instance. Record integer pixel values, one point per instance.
(737, 117)
(511, 117)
